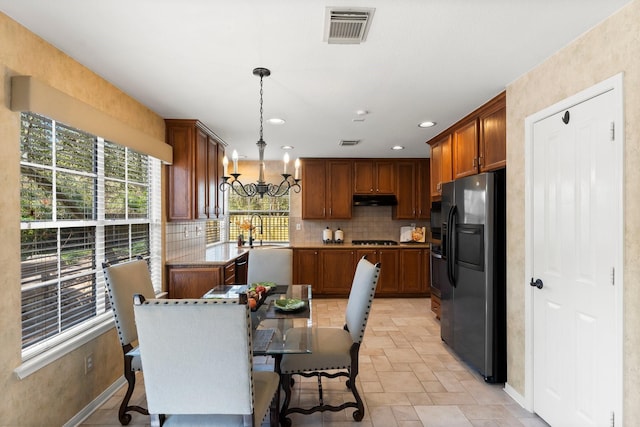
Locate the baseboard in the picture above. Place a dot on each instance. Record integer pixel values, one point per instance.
(520, 400)
(96, 403)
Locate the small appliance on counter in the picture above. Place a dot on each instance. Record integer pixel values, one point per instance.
(327, 235)
(338, 236)
(411, 234)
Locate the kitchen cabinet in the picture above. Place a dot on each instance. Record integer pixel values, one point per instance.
(475, 144)
(193, 281)
(306, 268)
(414, 274)
(196, 171)
(493, 136)
(230, 273)
(389, 262)
(465, 149)
(374, 177)
(327, 194)
(336, 268)
(440, 164)
(412, 190)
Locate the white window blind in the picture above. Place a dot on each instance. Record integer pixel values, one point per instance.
(83, 201)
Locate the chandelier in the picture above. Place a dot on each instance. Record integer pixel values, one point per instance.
(260, 187)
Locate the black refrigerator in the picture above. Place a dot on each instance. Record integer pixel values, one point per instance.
(473, 291)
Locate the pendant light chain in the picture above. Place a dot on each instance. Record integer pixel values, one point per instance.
(260, 107)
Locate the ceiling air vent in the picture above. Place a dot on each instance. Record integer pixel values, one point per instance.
(349, 142)
(347, 25)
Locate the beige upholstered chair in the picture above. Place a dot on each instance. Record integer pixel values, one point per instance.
(271, 265)
(198, 364)
(123, 281)
(334, 349)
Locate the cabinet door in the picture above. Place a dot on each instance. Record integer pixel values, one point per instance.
(493, 139)
(465, 150)
(363, 179)
(305, 268)
(388, 281)
(179, 173)
(201, 175)
(385, 180)
(411, 274)
(406, 190)
(313, 189)
(193, 282)
(423, 199)
(441, 170)
(336, 271)
(220, 194)
(242, 268)
(339, 197)
(213, 209)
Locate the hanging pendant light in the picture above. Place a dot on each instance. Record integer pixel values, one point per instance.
(260, 187)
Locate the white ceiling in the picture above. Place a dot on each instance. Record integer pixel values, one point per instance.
(422, 60)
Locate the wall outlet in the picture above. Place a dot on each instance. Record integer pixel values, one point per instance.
(298, 227)
(88, 363)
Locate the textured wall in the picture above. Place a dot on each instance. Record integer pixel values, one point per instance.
(59, 391)
(608, 49)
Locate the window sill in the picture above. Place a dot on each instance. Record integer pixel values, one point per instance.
(41, 360)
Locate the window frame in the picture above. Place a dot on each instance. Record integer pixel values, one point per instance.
(44, 351)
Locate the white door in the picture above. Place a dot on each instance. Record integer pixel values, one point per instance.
(575, 195)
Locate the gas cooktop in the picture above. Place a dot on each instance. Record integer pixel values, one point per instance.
(375, 242)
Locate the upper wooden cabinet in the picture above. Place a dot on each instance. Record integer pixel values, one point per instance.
(475, 144)
(465, 149)
(327, 194)
(194, 175)
(493, 137)
(374, 177)
(412, 189)
(440, 164)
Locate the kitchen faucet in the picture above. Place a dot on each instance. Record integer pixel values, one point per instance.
(251, 229)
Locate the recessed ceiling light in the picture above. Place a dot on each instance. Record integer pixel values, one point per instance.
(397, 147)
(276, 121)
(426, 124)
(287, 147)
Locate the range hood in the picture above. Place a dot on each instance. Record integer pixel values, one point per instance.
(374, 200)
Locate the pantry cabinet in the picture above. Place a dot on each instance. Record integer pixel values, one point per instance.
(412, 190)
(374, 177)
(327, 194)
(194, 176)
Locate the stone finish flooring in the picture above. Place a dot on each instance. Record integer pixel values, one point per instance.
(408, 378)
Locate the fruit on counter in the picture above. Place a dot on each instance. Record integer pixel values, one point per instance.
(252, 302)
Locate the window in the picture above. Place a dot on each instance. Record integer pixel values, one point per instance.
(83, 200)
(274, 212)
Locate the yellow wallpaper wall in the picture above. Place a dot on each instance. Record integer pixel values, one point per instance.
(59, 391)
(608, 49)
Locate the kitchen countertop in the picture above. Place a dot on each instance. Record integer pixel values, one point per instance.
(224, 253)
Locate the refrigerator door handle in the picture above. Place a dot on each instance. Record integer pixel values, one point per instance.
(451, 245)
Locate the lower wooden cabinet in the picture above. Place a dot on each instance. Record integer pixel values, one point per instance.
(193, 282)
(404, 272)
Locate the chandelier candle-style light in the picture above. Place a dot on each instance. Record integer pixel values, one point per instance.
(261, 187)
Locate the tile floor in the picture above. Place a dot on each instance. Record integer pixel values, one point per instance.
(408, 378)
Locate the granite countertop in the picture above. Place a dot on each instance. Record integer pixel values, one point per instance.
(224, 253)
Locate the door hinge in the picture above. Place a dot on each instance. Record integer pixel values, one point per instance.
(612, 131)
(613, 419)
(613, 276)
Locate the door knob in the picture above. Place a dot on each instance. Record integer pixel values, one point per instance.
(538, 283)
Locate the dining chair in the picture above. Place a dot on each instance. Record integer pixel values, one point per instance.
(198, 364)
(334, 350)
(123, 281)
(271, 265)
